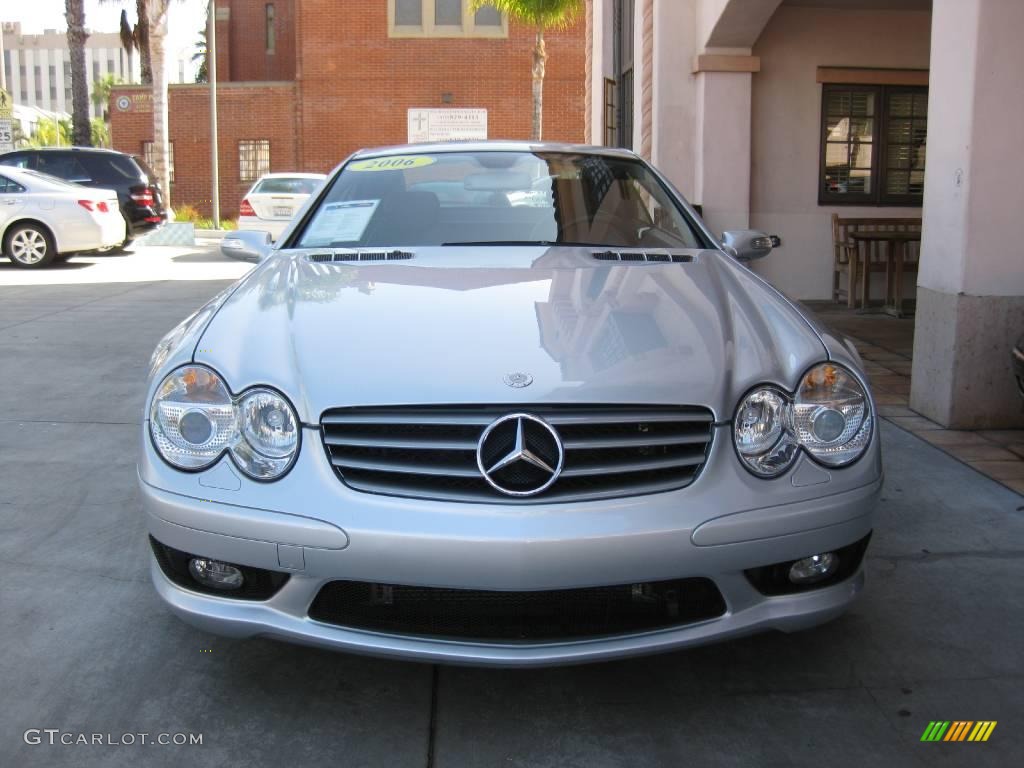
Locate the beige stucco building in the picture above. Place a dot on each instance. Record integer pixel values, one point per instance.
(775, 114)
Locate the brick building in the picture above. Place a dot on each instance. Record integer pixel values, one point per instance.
(303, 83)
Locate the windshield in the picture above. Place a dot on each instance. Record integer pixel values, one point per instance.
(497, 198)
(281, 185)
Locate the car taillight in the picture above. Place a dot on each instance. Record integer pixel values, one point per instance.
(246, 209)
(92, 205)
(142, 195)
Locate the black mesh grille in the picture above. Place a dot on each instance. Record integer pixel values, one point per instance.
(431, 452)
(517, 616)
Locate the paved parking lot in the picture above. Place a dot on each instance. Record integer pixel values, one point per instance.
(87, 648)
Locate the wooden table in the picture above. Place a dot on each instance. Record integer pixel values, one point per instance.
(895, 255)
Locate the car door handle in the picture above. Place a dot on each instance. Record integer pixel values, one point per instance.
(11, 202)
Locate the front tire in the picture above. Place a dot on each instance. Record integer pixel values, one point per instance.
(29, 246)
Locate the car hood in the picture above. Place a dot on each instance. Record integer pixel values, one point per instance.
(450, 325)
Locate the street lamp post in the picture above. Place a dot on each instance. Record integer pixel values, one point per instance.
(211, 76)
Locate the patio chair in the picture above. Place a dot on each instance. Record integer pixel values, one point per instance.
(859, 260)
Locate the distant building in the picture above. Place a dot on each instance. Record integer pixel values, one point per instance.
(303, 83)
(38, 67)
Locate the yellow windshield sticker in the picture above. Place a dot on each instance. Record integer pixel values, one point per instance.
(396, 163)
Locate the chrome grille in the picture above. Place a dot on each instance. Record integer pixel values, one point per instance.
(430, 452)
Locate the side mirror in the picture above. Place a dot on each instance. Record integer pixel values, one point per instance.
(749, 244)
(247, 245)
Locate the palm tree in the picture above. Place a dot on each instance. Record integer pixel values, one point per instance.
(137, 39)
(74, 12)
(156, 18)
(200, 55)
(542, 14)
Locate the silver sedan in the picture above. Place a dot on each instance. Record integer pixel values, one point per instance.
(43, 218)
(546, 417)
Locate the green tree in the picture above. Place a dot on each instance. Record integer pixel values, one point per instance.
(203, 73)
(101, 92)
(100, 132)
(74, 12)
(542, 15)
(49, 132)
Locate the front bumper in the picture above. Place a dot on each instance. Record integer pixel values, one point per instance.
(312, 526)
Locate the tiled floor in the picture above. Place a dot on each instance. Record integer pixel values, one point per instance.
(887, 346)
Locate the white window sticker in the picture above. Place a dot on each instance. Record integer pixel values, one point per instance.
(340, 222)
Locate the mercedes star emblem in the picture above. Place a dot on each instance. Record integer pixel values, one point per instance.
(517, 380)
(520, 455)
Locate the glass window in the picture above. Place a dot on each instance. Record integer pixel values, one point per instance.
(281, 185)
(873, 144)
(444, 18)
(499, 198)
(9, 186)
(271, 42)
(63, 165)
(487, 16)
(408, 13)
(253, 158)
(448, 13)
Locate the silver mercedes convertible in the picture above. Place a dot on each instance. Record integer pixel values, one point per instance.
(505, 404)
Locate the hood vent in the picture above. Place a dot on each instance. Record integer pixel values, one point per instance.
(360, 256)
(664, 257)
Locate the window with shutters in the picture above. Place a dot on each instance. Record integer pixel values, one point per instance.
(444, 18)
(873, 142)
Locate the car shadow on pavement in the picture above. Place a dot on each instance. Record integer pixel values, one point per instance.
(201, 257)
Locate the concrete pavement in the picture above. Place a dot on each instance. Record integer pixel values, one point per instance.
(87, 648)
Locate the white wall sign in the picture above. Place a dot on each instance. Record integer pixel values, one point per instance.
(447, 125)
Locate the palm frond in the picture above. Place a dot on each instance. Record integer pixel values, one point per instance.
(126, 32)
(545, 14)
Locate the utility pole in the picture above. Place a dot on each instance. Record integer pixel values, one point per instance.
(211, 76)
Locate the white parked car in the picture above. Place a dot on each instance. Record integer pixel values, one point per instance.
(274, 199)
(43, 218)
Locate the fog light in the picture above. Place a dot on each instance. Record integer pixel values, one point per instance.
(215, 574)
(815, 568)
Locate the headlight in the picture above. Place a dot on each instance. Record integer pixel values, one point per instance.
(763, 432)
(270, 434)
(829, 417)
(194, 419)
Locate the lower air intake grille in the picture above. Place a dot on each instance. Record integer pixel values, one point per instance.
(431, 452)
(517, 616)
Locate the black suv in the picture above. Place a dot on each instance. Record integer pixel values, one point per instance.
(138, 191)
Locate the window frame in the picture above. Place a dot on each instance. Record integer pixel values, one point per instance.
(429, 29)
(256, 145)
(878, 197)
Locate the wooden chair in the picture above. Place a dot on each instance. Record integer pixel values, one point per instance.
(859, 260)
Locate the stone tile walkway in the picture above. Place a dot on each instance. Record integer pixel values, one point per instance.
(887, 346)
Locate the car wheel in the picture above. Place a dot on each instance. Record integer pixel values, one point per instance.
(29, 246)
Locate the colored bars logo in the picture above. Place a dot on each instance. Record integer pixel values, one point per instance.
(958, 730)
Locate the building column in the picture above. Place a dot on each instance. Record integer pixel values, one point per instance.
(970, 297)
(722, 139)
